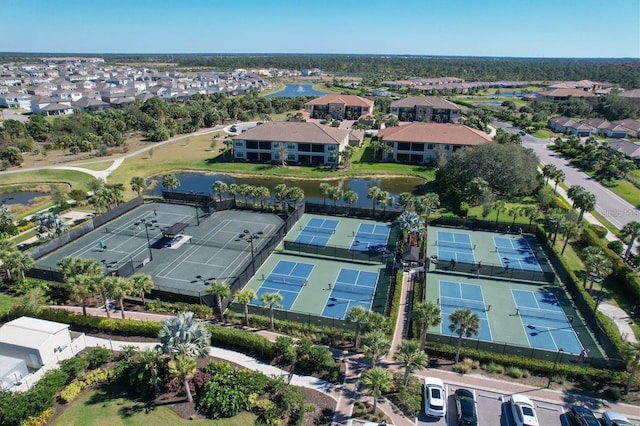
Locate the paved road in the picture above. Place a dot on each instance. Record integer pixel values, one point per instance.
(615, 209)
(15, 114)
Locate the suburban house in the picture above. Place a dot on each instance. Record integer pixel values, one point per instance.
(51, 106)
(39, 344)
(632, 126)
(561, 95)
(419, 142)
(302, 143)
(629, 149)
(15, 100)
(339, 107)
(425, 108)
(593, 126)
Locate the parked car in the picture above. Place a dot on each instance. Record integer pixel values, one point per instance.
(524, 413)
(612, 418)
(233, 129)
(435, 398)
(583, 416)
(466, 413)
(522, 132)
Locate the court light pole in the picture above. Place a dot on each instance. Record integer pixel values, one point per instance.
(146, 230)
(250, 239)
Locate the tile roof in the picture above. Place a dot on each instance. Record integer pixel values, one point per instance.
(629, 123)
(629, 149)
(283, 131)
(449, 133)
(576, 93)
(348, 100)
(432, 101)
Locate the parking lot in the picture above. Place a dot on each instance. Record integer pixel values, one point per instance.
(494, 409)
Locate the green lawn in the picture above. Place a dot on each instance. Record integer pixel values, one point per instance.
(77, 180)
(110, 406)
(628, 191)
(6, 303)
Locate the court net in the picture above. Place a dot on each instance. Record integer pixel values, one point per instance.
(452, 244)
(286, 279)
(463, 303)
(139, 233)
(318, 230)
(347, 288)
(543, 313)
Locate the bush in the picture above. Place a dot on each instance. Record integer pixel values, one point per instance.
(97, 356)
(600, 231)
(616, 246)
(39, 420)
(243, 341)
(461, 368)
(516, 373)
(74, 367)
(493, 368)
(93, 377)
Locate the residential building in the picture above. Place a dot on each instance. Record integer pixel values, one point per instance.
(339, 107)
(15, 100)
(302, 143)
(570, 126)
(629, 149)
(592, 126)
(419, 142)
(632, 126)
(561, 95)
(425, 108)
(51, 106)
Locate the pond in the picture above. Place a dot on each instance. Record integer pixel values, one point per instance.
(291, 90)
(202, 183)
(25, 198)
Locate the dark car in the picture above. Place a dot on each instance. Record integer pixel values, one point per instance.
(583, 416)
(466, 414)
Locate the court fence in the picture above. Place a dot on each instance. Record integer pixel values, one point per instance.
(61, 240)
(301, 317)
(483, 225)
(526, 351)
(117, 211)
(189, 197)
(493, 270)
(378, 214)
(343, 253)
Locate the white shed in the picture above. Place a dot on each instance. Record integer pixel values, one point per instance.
(38, 342)
(12, 372)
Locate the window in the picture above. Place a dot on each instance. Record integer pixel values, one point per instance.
(239, 154)
(238, 143)
(252, 145)
(331, 148)
(404, 146)
(291, 146)
(430, 146)
(291, 157)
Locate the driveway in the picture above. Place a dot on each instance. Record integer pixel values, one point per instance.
(615, 209)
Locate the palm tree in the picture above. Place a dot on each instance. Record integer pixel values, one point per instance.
(73, 267)
(358, 315)
(531, 213)
(385, 200)
(18, 262)
(228, 144)
(499, 206)
(152, 360)
(219, 187)
(426, 315)
(376, 145)
(375, 344)
(117, 288)
(554, 217)
(559, 178)
(350, 197)
(585, 203)
(548, 170)
(514, 211)
(244, 297)
(170, 182)
(377, 380)
(569, 229)
(426, 204)
(463, 322)
(574, 193)
(629, 234)
(324, 191)
(280, 192)
(335, 194)
(137, 184)
(631, 354)
(183, 335)
(81, 286)
(262, 193)
(271, 300)
(295, 194)
(346, 154)
(406, 200)
(233, 190)
(372, 194)
(99, 201)
(220, 291)
(410, 223)
(595, 262)
(141, 284)
(410, 356)
(183, 368)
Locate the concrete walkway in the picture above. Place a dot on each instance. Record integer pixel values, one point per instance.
(621, 318)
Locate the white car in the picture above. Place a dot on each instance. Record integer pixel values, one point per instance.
(611, 418)
(524, 413)
(435, 397)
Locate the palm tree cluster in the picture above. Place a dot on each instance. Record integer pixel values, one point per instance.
(14, 262)
(380, 198)
(335, 193)
(583, 200)
(550, 171)
(110, 195)
(85, 277)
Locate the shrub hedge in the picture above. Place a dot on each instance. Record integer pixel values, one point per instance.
(247, 342)
(395, 303)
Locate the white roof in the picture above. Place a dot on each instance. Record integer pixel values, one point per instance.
(29, 332)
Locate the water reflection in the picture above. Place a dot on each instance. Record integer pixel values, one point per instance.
(202, 183)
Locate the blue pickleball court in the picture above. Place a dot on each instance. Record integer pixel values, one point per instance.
(317, 232)
(455, 245)
(516, 253)
(455, 295)
(370, 237)
(352, 287)
(287, 279)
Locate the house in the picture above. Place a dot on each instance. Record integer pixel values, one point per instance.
(629, 149)
(89, 104)
(568, 125)
(51, 106)
(561, 95)
(419, 142)
(303, 143)
(632, 126)
(15, 100)
(425, 108)
(339, 107)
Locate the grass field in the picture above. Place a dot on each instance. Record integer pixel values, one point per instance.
(111, 406)
(76, 180)
(6, 303)
(628, 191)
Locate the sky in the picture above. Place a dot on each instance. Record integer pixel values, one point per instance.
(502, 28)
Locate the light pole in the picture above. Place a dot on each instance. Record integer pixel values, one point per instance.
(594, 278)
(598, 300)
(146, 230)
(250, 239)
(555, 363)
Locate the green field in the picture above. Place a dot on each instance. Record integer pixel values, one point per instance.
(6, 303)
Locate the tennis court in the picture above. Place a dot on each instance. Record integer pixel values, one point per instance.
(370, 237)
(455, 245)
(456, 295)
(544, 321)
(287, 279)
(352, 287)
(515, 252)
(317, 231)
(216, 246)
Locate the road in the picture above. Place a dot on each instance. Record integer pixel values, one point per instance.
(615, 209)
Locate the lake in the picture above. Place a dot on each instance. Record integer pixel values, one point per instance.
(291, 90)
(20, 197)
(202, 183)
